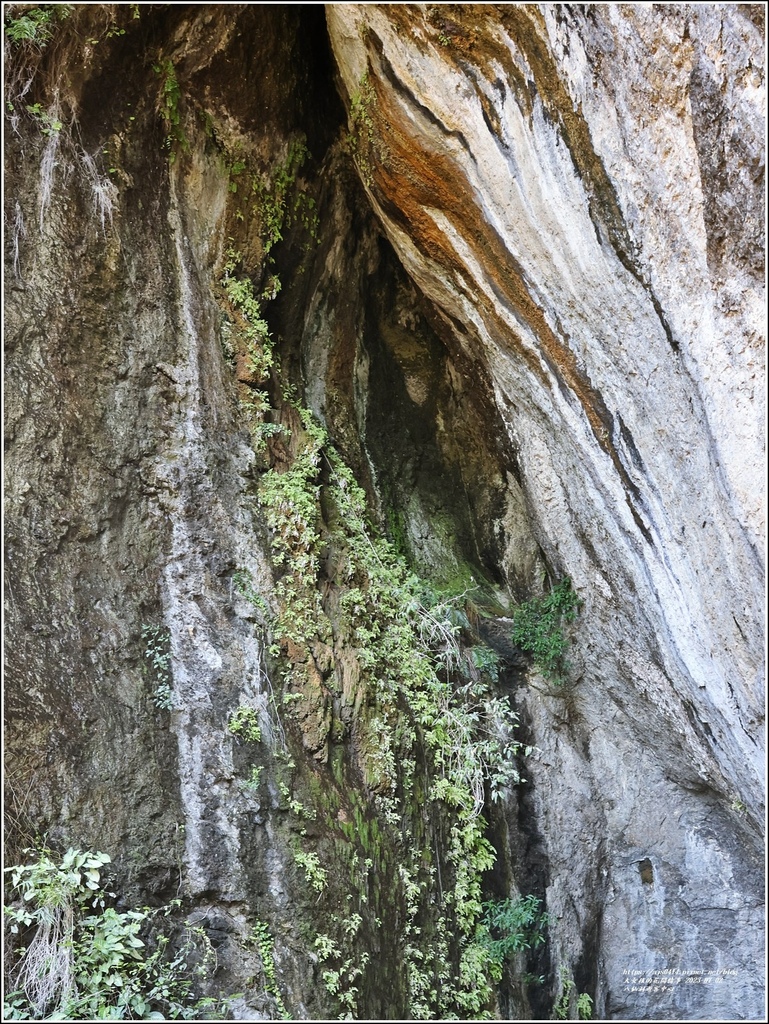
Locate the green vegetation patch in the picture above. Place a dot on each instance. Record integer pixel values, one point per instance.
(34, 25)
(511, 926)
(572, 1004)
(245, 723)
(73, 956)
(538, 629)
(280, 201)
(265, 943)
(157, 653)
(170, 101)
(362, 141)
(421, 692)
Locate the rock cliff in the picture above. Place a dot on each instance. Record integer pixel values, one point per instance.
(334, 338)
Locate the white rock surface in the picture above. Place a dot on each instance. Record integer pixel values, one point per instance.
(578, 190)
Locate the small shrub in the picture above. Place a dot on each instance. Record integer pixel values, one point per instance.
(538, 628)
(245, 723)
(510, 926)
(584, 1004)
(83, 960)
(486, 660)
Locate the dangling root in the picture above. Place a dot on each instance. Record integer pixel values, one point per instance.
(45, 972)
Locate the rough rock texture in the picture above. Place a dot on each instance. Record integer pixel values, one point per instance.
(564, 183)
(530, 319)
(127, 473)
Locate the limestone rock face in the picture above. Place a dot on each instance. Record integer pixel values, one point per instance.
(578, 191)
(510, 260)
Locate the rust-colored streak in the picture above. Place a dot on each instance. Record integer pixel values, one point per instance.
(413, 177)
(411, 180)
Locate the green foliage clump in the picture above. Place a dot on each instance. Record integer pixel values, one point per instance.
(253, 328)
(49, 123)
(340, 980)
(511, 926)
(34, 25)
(486, 661)
(83, 960)
(170, 98)
(291, 502)
(538, 628)
(421, 687)
(583, 1003)
(254, 779)
(584, 1006)
(314, 873)
(280, 202)
(156, 651)
(245, 723)
(361, 139)
(278, 198)
(266, 946)
(253, 333)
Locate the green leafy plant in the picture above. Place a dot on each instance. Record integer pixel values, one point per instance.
(254, 779)
(486, 660)
(83, 959)
(538, 628)
(248, 329)
(266, 946)
(34, 25)
(245, 723)
(49, 123)
(252, 328)
(361, 139)
(407, 642)
(156, 641)
(584, 1006)
(510, 926)
(170, 98)
(339, 979)
(280, 202)
(294, 805)
(583, 1002)
(315, 874)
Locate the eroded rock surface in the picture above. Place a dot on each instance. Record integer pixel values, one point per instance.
(528, 311)
(557, 181)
